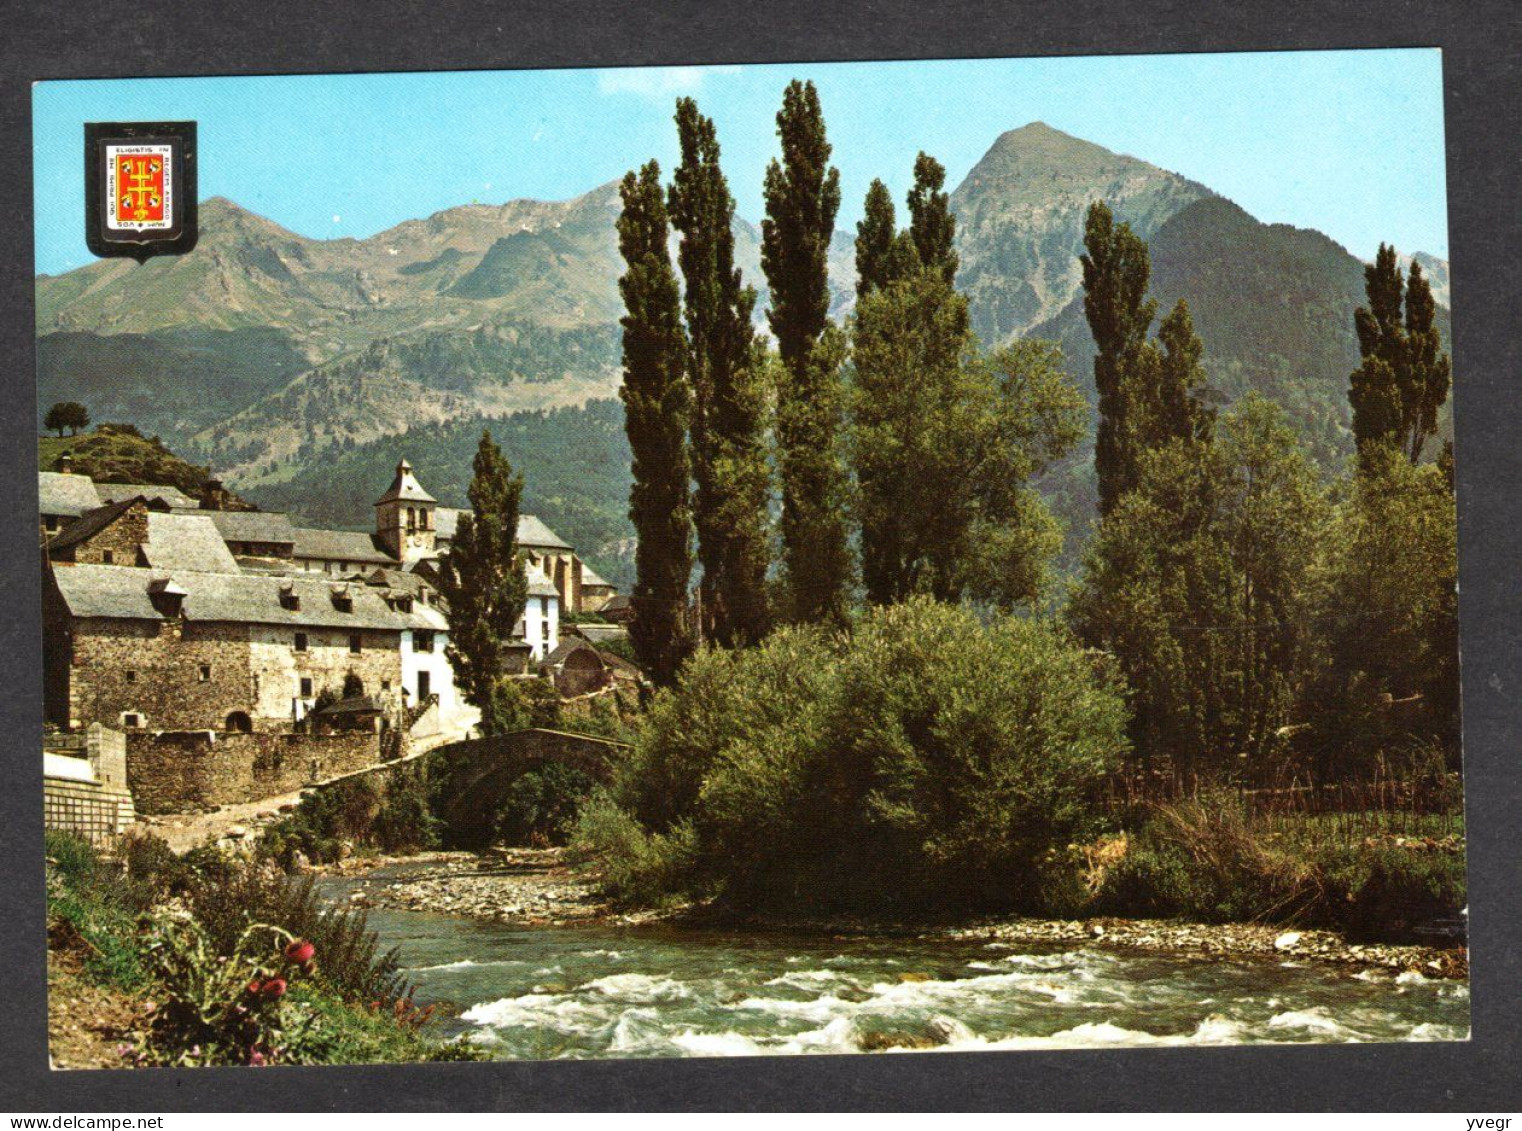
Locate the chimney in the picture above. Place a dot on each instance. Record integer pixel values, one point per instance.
(167, 597)
(64, 464)
(213, 496)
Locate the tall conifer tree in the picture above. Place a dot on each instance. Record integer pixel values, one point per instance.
(729, 397)
(1116, 271)
(802, 196)
(657, 411)
(482, 578)
(932, 227)
(1404, 376)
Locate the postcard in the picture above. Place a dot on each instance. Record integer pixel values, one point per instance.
(745, 560)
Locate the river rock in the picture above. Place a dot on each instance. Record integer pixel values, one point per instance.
(1287, 940)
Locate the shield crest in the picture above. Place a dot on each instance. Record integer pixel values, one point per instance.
(141, 193)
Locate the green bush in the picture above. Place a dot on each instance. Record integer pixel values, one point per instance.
(639, 867)
(540, 807)
(924, 764)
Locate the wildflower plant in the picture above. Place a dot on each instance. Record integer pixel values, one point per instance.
(225, 1009)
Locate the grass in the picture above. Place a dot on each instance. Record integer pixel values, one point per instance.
(1210, 858)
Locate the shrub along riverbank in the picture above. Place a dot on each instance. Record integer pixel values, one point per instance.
(930, 765)
(228, 961)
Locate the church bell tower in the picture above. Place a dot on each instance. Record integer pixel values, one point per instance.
(404, 517)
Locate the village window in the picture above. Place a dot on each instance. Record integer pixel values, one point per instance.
(205, 672)
(131, 676)
(356, 643)
(385, 685)
(290, 599)
(424, 641)
(108, 557)
(51, 523)
(301, 642)
(306, 687)
(132, 721)
(544, 608)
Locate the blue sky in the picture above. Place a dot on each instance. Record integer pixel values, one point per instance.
(1350, 142)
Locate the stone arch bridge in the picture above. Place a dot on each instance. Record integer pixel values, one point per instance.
(479, 771)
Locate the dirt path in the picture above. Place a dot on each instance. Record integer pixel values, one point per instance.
(184, 831)
(87, 1024)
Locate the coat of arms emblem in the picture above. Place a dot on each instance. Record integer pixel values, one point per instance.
(141, 188)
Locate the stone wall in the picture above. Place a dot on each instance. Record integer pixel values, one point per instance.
(179, 675)
(115, 544)
(183, 771)
(277, 668)
(172, 675)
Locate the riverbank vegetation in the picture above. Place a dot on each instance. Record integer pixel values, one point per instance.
(224, 960)
(1224, 712)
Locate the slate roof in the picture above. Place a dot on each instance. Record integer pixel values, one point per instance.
(89, 524)
(446, 520)
(405, 488)
(114, 492)
(187, 541)
(340, 546)
(122, 592)
(539, 585)
(354, 705)
(65, 494)
(251, 526)
(566, 647)
(531, 531)
(590, 576)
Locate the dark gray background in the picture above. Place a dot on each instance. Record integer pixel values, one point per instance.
(1483, 90)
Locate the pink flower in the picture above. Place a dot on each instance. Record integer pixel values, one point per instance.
(300, 952)
(274, 988)
(255, 1058)
(255, 986)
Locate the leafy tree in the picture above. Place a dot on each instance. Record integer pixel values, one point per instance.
(729, 398)
(1404, 376)
(802, 196)
(657, 411)
(1201, 583)
(927, 762)
(883, 253)
(482, 579)
(932, 226)
(66, 414)
(943, 443)
(1390, 617)
(1116, 270)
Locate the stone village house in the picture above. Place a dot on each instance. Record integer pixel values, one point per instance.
(162, 616)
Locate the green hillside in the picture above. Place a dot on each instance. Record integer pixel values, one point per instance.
(574, 462)
(119, 453)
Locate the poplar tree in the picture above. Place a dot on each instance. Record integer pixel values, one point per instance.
(1176, 410)
(729, 396)
(1403, 377)
(883, 253)
(657, 411)
(931, 224)
(802, 194)
(1116, 271)
(482, 580)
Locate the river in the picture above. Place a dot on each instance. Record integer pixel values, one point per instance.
(666, 991)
